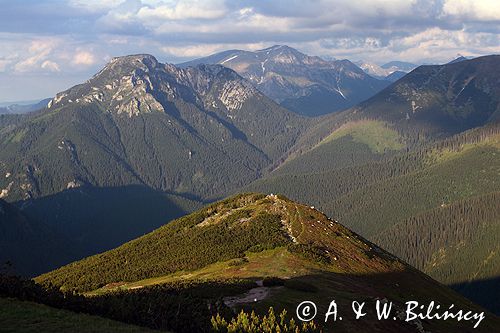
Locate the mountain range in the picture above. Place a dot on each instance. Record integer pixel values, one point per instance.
(391, 71)
(307, 85)
(422, 150)
(194, 130)
(440, 100)
(23, 107)
(140, 132)
(414, 169)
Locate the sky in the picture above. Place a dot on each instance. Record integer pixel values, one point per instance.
(47, 46)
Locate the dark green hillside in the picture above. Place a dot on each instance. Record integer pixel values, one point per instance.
(461, 249)
(440, 100)
(293, 252)
(28, 247)
(470, 157)
(6, 120)
(29, 317)
(98, 219)
(455, 176)
(197, 131)
(351, 144)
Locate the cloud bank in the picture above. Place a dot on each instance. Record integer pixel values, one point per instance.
(69, 40)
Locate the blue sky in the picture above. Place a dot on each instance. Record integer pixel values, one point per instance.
(50, 45)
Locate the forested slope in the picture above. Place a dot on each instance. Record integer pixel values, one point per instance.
(445, 184)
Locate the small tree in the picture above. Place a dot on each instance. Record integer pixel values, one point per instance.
(252, 323)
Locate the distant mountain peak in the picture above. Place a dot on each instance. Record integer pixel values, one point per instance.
(275, 47)
(459, 58)
(302, 83)
(384, 71)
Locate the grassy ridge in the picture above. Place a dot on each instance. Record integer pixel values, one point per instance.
(297, 253)
(188, 243)
(229, 230)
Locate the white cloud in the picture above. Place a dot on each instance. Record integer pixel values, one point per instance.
(195, 51)
(84, 58)
(84, 33)
(5, 62)
(50, 66)
(482, 10)
(372, 7)
(38, 50)
(182, 10)
(26, 65)
(95, 5)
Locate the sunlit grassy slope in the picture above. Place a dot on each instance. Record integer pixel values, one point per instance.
(354, 143)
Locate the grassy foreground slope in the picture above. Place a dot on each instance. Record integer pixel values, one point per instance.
(29, 317)
(285, 251)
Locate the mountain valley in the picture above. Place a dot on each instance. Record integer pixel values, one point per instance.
(92, 181)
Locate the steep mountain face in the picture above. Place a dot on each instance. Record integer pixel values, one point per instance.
(196, 130)
(304, 84)
(440, 100)
(28, 247)
(292, 251)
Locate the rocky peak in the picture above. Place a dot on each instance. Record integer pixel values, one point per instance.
(137, 84)
(146, 62)
(348, 68)
(282, 49)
